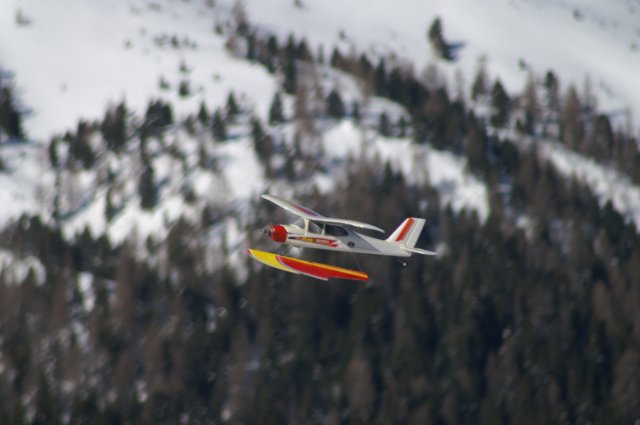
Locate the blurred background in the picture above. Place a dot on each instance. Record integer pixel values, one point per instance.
(136, 137)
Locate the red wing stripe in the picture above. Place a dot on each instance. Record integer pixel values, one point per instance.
(319, 241)
(405, 229)
(322, 271)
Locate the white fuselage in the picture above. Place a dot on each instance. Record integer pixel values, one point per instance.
(346, 241)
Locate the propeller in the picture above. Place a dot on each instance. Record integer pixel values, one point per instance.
(277, 233)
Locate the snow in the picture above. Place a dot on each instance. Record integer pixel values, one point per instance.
(238, 178)
(85, 285)
(242, 170)
(24, 181)
(16, 269)
(606, 183)
(419, 163)
(577, 39)
(106, 52)
(83, 59)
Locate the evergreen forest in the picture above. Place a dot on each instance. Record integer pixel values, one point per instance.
(530, 315)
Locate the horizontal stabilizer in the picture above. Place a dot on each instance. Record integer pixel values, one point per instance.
(418, 251)
(307, 268)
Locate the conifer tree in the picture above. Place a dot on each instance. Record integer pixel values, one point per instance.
(54, 158)
(475, 145)
(114, 126)
(365, 66)
(384, 125)
(602, 139)
(336, 60)
(552, 92)
(203, 114)
(10, 119)
(436, 38)
(572, 128)
(355, 111)
(380, 79)
(335, 106)
(184, 89)
(109, 209)
(302, 52)
(158, 116)
(531, 105)
(241, 20)
(218, 126)
(402, 126)
(271, 54)
(479, 87)
(290, 50)
(276, 110)
(500, 105)
(147, 189)
(80, 149)
(436, 110)
(320, 55)
(360, 391)
(290, 75)
(251, 46)
(232, 106)
(47, 408)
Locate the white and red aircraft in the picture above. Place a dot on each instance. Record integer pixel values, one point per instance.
(335, 234)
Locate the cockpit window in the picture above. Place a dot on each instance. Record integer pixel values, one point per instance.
(314, 228)
(335, 230)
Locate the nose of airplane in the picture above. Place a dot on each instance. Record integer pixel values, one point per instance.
(277, 233)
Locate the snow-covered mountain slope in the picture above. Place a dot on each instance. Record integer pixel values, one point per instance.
(75, 56)
(186, 186)
(577, 39)
(419, 163)
(25, 181)
(608, 185)
(72, 58)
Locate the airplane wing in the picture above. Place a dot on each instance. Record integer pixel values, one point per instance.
(307, 268)
(350, 223)
(309, 214)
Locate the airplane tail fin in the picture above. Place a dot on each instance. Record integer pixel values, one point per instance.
(408, 232)
(406, 235)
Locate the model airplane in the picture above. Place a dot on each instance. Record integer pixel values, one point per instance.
(335, 234)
